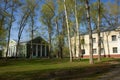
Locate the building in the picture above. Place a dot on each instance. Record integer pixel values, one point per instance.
(110, 43)
(39, 48)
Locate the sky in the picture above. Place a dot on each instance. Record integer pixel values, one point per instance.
(26, 32)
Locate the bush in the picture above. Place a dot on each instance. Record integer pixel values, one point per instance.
(66, 51)
(0, 53)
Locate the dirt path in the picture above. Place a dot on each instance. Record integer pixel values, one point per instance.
(113, 74)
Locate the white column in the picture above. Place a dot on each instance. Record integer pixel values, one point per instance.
(33, 50)
(9, 51)
(36, 50)
(45, 51)
(14, 51)
(119, 43)
(25, 50)
(41, 50)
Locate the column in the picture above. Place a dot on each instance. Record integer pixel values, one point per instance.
(24, 50)
(119, 43)
(41, 50)
(45, 51)
(36, 50)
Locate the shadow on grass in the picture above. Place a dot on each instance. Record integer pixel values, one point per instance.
(44, 61)
(58, 74)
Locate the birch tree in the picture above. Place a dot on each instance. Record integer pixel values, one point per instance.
(68, 31)
(12, 5)
(98, 32)
(32, 6)
(22, 23)
(89, 31)
(47, 12)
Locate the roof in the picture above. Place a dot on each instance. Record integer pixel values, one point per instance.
(36, 38)
(105, 29)
(27, 41)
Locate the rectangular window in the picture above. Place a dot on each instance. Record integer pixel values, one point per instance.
(101, 39)
(94, 51)
(34, 50)
(114, 38)
(102, 50)
(115, 50)
(94, 40)
(83, 51)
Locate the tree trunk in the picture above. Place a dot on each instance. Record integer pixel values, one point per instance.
(49, 31)
(32, 35)
(58, 53)
(17, 46)
(108, 47)
(98, 33)
(9, 29)
(68, 32)
(90, 32)
(103, 45)
(1, 25)
(22, 26)
(77, 33)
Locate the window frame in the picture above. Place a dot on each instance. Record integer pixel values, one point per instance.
(114, 38)
(83, 51)
(102, 50)
(94, 51)
(115, 50)
(101, 39)
(94, 40)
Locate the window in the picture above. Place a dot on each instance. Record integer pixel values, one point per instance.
(34, 50)
(115, 50)
(94, 40)
(101, 39)
(114, 38)
(94, 51)
(102, 50)
(83, 51)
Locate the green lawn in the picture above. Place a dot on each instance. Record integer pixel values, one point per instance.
(37, 69)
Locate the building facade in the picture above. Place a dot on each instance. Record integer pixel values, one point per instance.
(110, 44)
(39, 48)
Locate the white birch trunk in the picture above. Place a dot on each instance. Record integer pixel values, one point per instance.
(68, 31)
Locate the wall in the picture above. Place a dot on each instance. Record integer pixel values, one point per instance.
(107, 51)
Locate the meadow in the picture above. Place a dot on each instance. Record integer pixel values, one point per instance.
(52, 69)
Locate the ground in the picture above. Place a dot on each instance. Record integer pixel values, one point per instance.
(58, 69)
(113, 74)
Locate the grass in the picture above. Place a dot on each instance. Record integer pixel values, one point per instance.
(37, 69)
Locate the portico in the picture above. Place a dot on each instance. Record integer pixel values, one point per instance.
(40, 50)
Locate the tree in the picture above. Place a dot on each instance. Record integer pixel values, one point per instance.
(68, 31)
(98, 33)
(3, 36)
(111, 17)
(47, 14)
(32, 6)
(62, 27)
(90, 32)
(22, 23)
(12, 9)
(60, 39)
(78, 17)
(3, 16)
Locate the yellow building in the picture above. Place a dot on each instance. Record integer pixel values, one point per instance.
(110, 43)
